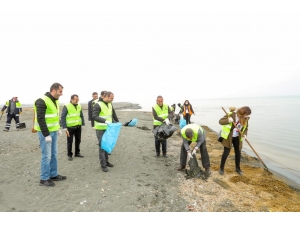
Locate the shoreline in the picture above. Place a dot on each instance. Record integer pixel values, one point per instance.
(273, 168)
(138, 182)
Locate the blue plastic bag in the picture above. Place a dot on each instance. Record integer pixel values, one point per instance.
(110, 137)
(133, 122)
(182, 123)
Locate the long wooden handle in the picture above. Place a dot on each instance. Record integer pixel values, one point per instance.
(33, 119)
(249, 144)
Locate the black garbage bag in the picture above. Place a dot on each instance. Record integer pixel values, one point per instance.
(195, 170)
(164, 131)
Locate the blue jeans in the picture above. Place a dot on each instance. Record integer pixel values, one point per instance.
(49, 156)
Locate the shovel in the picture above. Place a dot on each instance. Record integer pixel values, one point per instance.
(250, 146)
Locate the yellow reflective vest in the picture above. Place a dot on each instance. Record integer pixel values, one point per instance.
(161, 112)
(226, 129)
(195, 128)
(105, 113)
(51, 115)
(73, 116)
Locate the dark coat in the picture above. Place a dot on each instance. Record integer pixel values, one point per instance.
(170, 116)
(97, 110)
(41, 112)
(17, 110)
(90, 109)
(64, 114)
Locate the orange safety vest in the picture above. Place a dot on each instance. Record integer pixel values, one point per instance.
(184, 109)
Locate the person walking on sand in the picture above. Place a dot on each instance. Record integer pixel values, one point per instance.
(103, 114)
(187, 111)
(14, 110)
(161, 114)
(46, 123)
(232, 137)
(194, 133)
(72, 121)
(90, 107)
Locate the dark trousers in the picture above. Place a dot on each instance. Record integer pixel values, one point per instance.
(74, 132)
(188, 118)
(237, 152)
(92, 122)
(103, 155)
(9, 118)
(157, 146)
(203, 152)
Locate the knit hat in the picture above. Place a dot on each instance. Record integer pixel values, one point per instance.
(232, 108)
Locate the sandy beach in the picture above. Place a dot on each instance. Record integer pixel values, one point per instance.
(138, 182)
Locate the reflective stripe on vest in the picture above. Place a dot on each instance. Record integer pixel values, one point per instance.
(161, 112)
(226, 129)
(105, 113)
(195, 128)
(73, 117)
(51, 115)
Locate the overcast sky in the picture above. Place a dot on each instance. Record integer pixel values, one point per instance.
(177, 49)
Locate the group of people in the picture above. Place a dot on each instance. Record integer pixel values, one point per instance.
(186, 110)
(48, 124)
(233, 133)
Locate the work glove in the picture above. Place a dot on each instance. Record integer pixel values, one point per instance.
(48, 139)
(2, 112)
(194, 151)
(59, 132)
(230, 120)
(20, 113)
(189, 153)
(107, 122)
(167, 121)
(244, 137)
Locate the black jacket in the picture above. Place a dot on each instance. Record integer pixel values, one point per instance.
(156, 117)
(90, 109)
(17, 110)
(97, 110)
(41, 111)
